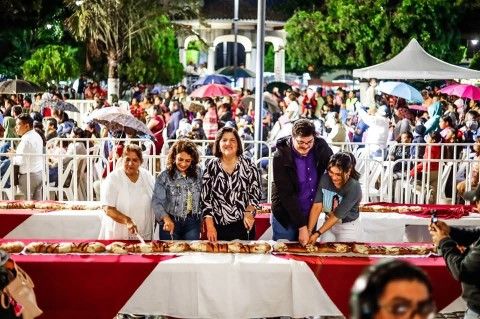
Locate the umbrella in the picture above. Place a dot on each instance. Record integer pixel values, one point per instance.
(236, 72)
(462, 90)
(211, 90)
(213, 78)
(98, 113)
(282, 86)
(121, 121)
(402, 90)
(59, 105)
(271, 103)
(19, 86)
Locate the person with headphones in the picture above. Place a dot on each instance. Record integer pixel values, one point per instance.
(338, 195)
(392, 289)
(461, 250)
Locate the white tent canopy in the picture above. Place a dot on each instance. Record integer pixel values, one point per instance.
(415, 63)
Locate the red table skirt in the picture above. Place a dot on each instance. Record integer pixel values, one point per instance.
(97, 286)
(337, 275)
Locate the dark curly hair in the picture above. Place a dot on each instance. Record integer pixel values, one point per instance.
(346, 162)
(187, 146)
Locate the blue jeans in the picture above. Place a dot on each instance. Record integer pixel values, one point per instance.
(4, 165)
(185, 229)
(53, 175)
(280, 232)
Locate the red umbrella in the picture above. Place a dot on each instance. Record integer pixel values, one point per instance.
(462, 90)
(211, 90)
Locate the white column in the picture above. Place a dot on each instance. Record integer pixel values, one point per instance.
(279, 64)
(253, 62)
(248, 60)
(183, 56)
(211, 60)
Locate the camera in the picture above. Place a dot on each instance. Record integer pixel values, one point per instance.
(434, 218)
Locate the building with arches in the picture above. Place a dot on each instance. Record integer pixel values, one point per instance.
(217, 31)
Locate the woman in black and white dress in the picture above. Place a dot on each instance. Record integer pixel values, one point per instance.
(230, 190)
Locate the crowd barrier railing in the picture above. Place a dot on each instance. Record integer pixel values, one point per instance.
(382, 178)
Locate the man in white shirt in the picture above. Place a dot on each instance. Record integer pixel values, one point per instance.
(30, 165)
(378, 129)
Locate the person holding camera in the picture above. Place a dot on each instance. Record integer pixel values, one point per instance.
(461, 250)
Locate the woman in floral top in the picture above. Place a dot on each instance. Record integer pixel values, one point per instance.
(230, 190)
(176, 196)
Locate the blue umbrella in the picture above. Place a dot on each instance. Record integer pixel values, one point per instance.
(213, 78)
(402, 90)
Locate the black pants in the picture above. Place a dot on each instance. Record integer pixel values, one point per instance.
(235, 230)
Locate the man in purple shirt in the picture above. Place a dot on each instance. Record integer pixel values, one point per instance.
(298, 163)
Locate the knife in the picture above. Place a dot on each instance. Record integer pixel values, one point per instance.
(140, 238)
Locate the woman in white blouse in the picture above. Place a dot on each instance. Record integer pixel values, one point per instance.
(126, 197)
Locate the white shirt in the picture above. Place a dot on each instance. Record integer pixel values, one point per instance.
(378, 129)
(131, 199)
(31, 143)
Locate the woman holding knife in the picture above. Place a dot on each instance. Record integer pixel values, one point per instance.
(230, 190)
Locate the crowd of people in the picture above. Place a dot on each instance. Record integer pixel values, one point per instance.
(309, 178)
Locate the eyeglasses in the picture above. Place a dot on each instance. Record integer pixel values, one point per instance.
(400, 308)
(305, 143)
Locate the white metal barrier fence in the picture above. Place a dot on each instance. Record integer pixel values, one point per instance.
(382, 179)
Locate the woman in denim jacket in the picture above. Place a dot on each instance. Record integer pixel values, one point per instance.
(176, 196)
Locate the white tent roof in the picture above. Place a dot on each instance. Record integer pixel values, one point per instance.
(415, 63)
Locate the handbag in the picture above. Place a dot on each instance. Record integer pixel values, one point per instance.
(20, 289)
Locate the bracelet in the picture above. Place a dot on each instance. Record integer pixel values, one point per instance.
(317, 232)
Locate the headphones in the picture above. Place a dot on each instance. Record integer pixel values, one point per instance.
(369, 286)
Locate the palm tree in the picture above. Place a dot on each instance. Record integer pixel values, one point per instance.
(113, 27)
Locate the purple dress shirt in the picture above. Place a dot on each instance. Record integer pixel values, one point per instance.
(307, 178)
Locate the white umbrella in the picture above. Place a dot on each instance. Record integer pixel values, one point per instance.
(402, 90)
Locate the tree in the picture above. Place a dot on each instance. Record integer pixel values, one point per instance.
(160, 64)
(26, 26)
(52, 62)
(269, 61)
(434, 23)
(116, 27)
(352, 33)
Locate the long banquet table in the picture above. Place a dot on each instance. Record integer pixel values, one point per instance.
(206, 285)
(389, 227)
(86, 224)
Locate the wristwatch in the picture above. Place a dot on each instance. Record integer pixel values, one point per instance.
(317, 232)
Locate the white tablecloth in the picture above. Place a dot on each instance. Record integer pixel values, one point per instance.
(231, 286)
(84, 224)
(395, 228)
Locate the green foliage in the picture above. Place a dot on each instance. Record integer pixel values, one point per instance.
(269, 60)
(52, 62)
(475, 63)
(26, 25)
(434, 23)
(357, 33)
(197, 45)
(160, 63)
(116, 29)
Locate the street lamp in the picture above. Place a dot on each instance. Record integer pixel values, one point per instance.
(235, 44)
(474, 42)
